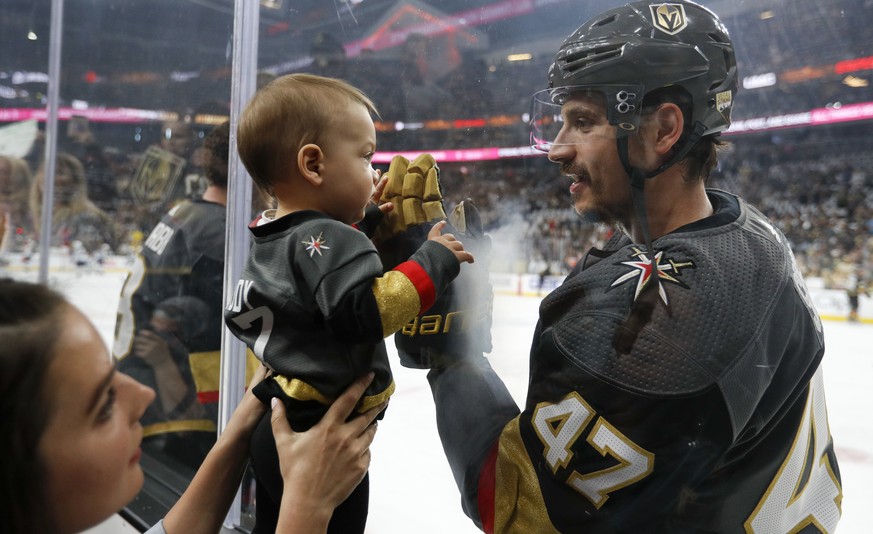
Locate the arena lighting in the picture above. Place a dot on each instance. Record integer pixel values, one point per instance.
(855, 82)
(209, 119)
(426, 23)
(803, 74)
(851, 65)
(177, 76)
(21, 77)
(478, 16)
(468, 123)
(466, 154)
(96, 114)
(400, 126)
(759, 80)
(768, 14)
(820, 116)
(519, 57)
(831, 114)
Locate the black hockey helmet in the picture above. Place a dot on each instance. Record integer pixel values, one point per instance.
(627, 52)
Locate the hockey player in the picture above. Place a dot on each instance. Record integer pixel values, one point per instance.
(314, 303)
(675, 376)
(168, 328)
(855, 287)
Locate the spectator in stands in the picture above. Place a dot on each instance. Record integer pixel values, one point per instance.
(15, 182)
(74, 216)
(84, 146)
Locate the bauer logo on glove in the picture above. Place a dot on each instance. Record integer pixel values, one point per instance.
(458, 325)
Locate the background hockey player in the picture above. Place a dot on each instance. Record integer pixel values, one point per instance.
(168, 330)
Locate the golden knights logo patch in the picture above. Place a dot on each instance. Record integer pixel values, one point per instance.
(641, 272)
(315, 244)
(669, 18)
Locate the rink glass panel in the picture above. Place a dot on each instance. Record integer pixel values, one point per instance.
(143, 83)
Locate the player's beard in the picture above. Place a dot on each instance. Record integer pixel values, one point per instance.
(589, 215)
(598, 209)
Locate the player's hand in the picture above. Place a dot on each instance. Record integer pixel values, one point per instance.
(450, 242)
(321, 467)
(458, 325)
(413, 188)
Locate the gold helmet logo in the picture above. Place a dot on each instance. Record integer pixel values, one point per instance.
(669, 18)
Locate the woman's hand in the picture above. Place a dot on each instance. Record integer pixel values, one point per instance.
(321, 467)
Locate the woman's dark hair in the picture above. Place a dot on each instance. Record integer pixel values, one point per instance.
(30, 325)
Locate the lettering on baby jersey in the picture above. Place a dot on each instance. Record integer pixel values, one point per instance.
(240, 296)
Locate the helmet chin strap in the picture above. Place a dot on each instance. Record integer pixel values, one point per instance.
(638, 176)
(644, 304)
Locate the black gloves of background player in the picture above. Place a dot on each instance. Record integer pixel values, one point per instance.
(458, 325)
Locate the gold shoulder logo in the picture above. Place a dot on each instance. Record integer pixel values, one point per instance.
(669, 18)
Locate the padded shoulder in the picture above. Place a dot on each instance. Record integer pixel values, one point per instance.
(721, 292)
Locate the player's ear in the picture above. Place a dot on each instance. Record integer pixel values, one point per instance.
(668, 127)
(310, 163)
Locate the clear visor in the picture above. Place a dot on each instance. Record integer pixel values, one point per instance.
(567, 115)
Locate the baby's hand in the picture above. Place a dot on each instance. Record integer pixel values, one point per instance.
(449, 241)
(380, 182)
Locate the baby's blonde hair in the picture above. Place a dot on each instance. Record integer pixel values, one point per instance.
(286, 114)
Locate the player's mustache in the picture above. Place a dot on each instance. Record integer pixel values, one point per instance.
(572, 170)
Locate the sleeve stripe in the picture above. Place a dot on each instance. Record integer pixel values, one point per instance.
(207, 397)
(422, 282)
(485, 495)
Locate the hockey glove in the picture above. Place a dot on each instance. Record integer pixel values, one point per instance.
(414, 189)
(458, 325)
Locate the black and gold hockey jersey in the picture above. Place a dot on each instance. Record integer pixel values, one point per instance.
(314, 305)
(178, 275)
(714, 421)
(174, 290)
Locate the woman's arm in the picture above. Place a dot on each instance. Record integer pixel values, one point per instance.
(204, 505)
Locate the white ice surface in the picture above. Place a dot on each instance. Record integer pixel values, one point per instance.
(412, 489)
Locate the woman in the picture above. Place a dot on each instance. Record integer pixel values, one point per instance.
(15, 183)
(74, 216)
(70, 434)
